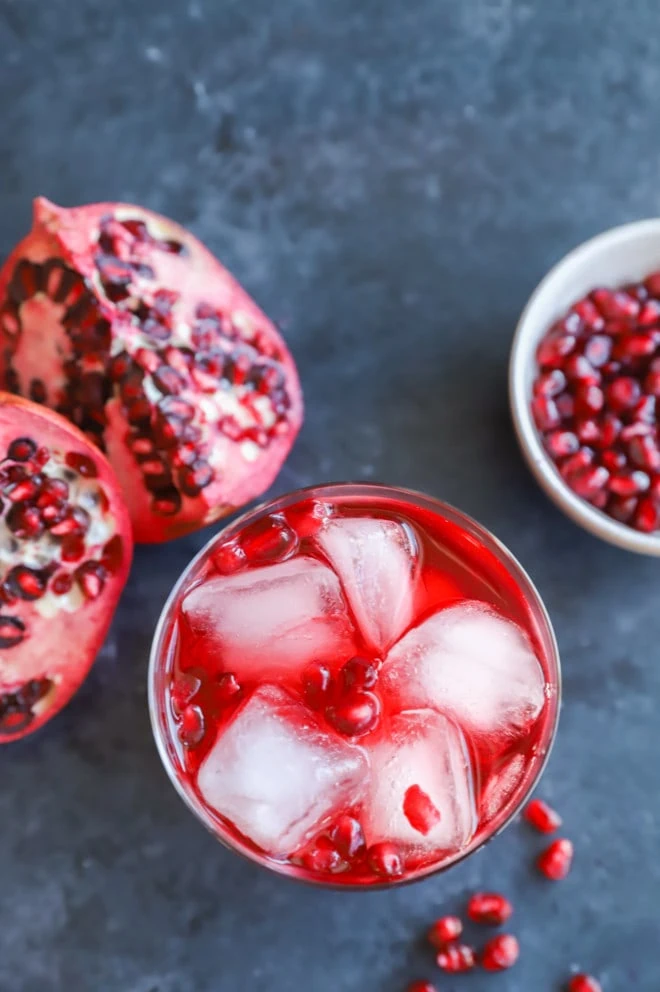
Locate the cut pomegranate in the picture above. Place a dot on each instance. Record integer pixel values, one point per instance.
(445, 931)
(542, 817)
(489, 908)
(594, 401)
(500, 953)
(456, 958)
(555, 862)
(123, 322)
(584, 983)
(57, 591)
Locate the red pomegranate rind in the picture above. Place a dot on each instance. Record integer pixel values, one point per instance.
(67, 548)
(126, 324)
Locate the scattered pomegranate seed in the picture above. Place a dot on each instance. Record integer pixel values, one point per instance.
(445, 931)
(269, 539)
(355, 714)
(385, 859)
(419, 810)
(500, 953)
(421, 987)
(555, 862)
(489, 908)
(542, 817)
(456, 958)
(584, 983)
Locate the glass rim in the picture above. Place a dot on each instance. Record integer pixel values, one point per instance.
(532, 599)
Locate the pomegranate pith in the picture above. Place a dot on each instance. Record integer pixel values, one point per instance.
(594, 401)
(123, 322)
(66, 548)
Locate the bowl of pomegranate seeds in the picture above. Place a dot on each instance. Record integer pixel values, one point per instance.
(584, 385)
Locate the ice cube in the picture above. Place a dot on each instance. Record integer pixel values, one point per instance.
(270, 622)
(471, 663)
(424, 757)
(277, 775)
(378, 564)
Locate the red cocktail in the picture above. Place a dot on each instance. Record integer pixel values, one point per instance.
(354, 685)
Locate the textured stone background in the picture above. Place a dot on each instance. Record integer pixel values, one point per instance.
(390, 180)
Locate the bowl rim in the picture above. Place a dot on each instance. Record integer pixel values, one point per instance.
(526, 336)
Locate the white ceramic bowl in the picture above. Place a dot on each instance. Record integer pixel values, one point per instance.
(618, 256)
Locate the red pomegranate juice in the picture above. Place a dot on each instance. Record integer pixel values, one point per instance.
(356, 686)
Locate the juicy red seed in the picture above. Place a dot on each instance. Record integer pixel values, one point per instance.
(554, 348)
(317, 684)
(12, 631)
(588, 432)
(489, 908)
(576, 463)
(652, 284)
(91, 579)
(647, 517)
(597, 350)
(542, 816)
(82, 464)
(584, 983)
(195, 477)
(355, 714)
(359, 673)
(41, 457)
(75, 521)
(614, 305)
(610, 430)
(385, 859)
(270, 539)
(347, 836)
(623, 393)
(652, 383)
(323, 857)
(73, 548)
(613, 461)
(420, 811)
(445, 931)
(184, 688)
(422, 987)
(578, 368)
(113, 554)
(22, 449)
(645, 453)
(631, 346)
(588, 399)
(456, 958)
(308, 518)
(52, 491)
(649, 314)
(555, 862)
(168, 380)
(589, 481)
(545, 413)
(229, 558)
(644, 410)
(563, 443)
(20, 491)
(622, 509)
(61, 584)
(500, 953)
(26, 583)
(589, 314)
(629, 485)
(228, 688)
(550, 383)
(24, 521)
(191, 728)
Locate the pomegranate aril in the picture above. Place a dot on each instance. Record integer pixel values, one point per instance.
(628, 347)
(500, 953)
(550, 384)
(615, 304)
(597, 350)
(589, 400)
(610, 429)
(652, 284)
(542, 816)
(359, 673)
(563, 443)
(22, 449)
(588, 432)
(645, 453)
(456, 958)
(420, 811)
(577, 463)
(555, 862)
(82, 464)
(24, 521)
(545, 413)
(323, 857)
(183, 690)
(228, 688)
(629, 485)
(26, 583)
(62, 584)
(445, 931)
(270, 539)
(589, 313)
(229, 557)
(52, 491)
(622, 393)
(584, 983)
(622, 509)
(489, 908)
(613, 460)
(647, 516)
(12, 631)
(73, 549)
(385, 859)
(579, 369)
(195, 477)
(649, 314)
(588, 482)
(356, 713)
(554, 348)
(347, 836)
(26, 489)
(91, 578)
(191, 728)
(317, 685)
(75, 521)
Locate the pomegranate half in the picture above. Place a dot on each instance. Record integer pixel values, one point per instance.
(65, 553)
(123, 322)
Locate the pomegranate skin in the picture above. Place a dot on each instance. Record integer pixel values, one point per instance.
(127, 325)
(67, 550)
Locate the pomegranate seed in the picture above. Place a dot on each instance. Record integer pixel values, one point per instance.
(562, 443)
(82, 464)
(12, 631)
(652, 284)
(588, 482)
(615, 305)
(191, 728)
(489, 908)
(588, 400)
(645, 453)
(622, 509)
(647, 517)
(347, 836)
(73, 548)
(228, 688)
(649, 314)
(555, 862)
(652, 383)
(61, 584)
(456, 958)
(550, 383)
(622, 393)
(613, 461)
(24, 490)
(583, 983)
(183, 690)
(542, 817)
(308, 517)
(22, 449)
(597, 350)
(610, 430)
(419, 810)
(91, 579)
(229, 558)
(644, 410)
(445, 931)
(422, 987)
(553, 349)
(579, 369)
(385, 859)
(317, 683)
(323, 857)
(26, 583)
(358, 673)
(629, 485)
(270, 539)
(565, 406)
(500, 953)
(355, 714)
(588, 432)
(24, 520)
(588, 312)
(545, 413)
